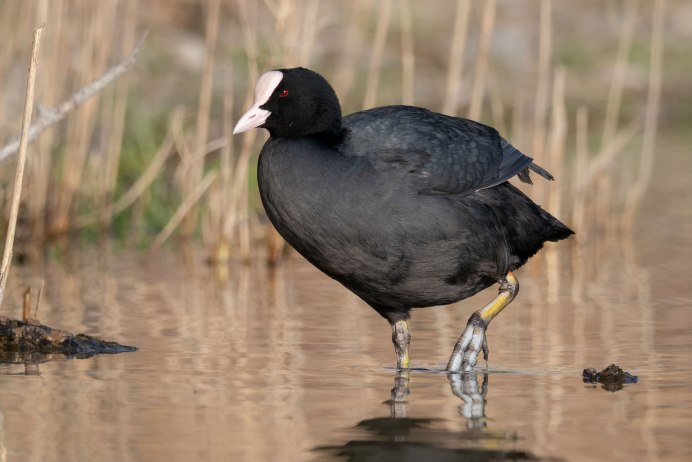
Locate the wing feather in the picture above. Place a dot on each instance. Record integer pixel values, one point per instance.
(439, 153)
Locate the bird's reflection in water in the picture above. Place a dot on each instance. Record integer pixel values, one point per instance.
(401, 438)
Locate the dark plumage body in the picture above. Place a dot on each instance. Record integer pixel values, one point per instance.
(405, 207)
(391, 208)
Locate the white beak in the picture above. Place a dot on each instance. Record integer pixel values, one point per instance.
(256, 116)
(251, 119)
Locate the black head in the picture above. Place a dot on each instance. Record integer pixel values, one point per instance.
(293, 102)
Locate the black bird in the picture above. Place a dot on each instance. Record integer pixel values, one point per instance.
(403, 206)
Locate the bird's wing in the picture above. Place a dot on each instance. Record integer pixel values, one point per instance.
(441, 154)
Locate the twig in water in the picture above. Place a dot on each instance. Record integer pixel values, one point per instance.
(38, 298)
(26, 307)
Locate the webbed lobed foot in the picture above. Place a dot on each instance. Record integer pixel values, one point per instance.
(471, 342)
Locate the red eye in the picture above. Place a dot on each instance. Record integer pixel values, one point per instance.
(283, 94)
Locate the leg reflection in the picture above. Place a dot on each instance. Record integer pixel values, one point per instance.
(465, 386)
(398, 404)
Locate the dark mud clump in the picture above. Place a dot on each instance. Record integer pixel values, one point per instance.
(30, 342)
(613, 378)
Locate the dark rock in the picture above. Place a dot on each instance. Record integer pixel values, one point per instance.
(30, 341)
(612, 377)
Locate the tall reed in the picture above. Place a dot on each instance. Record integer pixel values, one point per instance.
(21, 162)
(193, 169)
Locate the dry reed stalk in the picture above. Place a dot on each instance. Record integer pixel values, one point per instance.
(408, 57)
(228, 211)
(227, 153)
(619, 72)
(345, 74)
(21, 160)
(296, 26)
(577, 250)
(601, 205)
(578, 172)
(541, 101)
(284, 43)
(481, 68)
(194, 171)
(556, 144)
(237, 213)
(39, 164)
(148, 176)
(285, 21)
(557, 138)
(598, 165)
(375, 65)
(14, 50)
(190, 200)
(276, 246)
(309, 33)
(653, 103)
(115, 120)
(183, 150)
(456, 58)
(518, 130)
(249, 30)
(497, 108)
(210, 146)
(216, 242)
(93, 56)
(217, 229)
(245, 232)
(10, 12)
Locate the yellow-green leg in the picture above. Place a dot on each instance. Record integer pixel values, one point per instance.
(472, 340)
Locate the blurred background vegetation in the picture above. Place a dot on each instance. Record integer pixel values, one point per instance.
(583, 87)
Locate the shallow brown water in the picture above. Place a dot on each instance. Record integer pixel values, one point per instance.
(287, 365)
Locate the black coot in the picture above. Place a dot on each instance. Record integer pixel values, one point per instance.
(403, 206)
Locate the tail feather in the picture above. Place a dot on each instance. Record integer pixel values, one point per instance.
(541, 171)
(524, 176)
(514, 162)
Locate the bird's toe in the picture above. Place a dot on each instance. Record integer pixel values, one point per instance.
(470, 353)
(469, 346)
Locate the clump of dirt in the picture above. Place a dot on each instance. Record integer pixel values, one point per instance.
(27, 341)
(613, 378)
